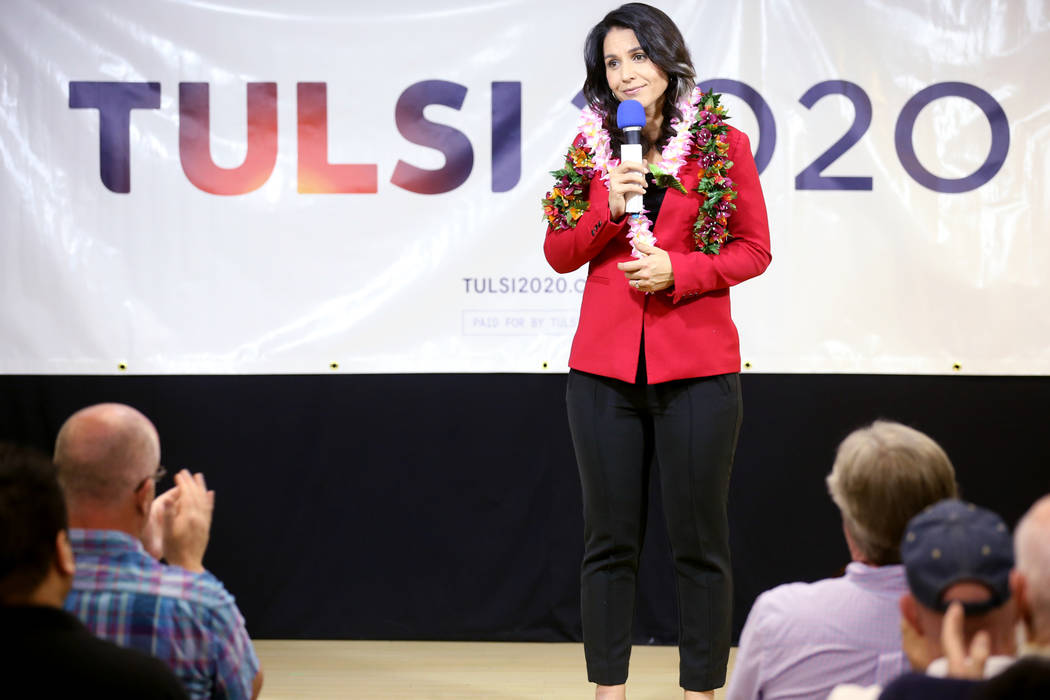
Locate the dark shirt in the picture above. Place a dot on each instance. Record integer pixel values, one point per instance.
(1027, 678)
(919, 686)
(48, 653)
(653, 198)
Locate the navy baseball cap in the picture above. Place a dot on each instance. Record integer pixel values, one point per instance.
(951, 542)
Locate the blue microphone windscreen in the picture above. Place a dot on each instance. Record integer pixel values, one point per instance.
(630, 113)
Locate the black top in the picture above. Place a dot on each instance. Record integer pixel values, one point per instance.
(48, 653)
(653, 198)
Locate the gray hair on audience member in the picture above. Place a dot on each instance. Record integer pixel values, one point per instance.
(884, 474)
(1032, 554)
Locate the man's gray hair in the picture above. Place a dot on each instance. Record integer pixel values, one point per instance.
(885, 474)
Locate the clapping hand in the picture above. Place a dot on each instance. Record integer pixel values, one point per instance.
(153, 535)
(180, 522)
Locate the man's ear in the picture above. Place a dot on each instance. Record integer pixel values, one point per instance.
(1019, 589)
(65, 562)
(910, 612)
(144, 498)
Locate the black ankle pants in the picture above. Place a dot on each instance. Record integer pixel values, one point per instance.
(691, 427)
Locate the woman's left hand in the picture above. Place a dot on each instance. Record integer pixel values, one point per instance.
(650, 273)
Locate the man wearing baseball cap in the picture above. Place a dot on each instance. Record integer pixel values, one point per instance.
(957, 552)
(1029, 677)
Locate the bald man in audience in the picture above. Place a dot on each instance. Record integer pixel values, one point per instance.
(108, 456)
(1030, 580)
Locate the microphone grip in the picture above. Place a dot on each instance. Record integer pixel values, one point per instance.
(632, 153)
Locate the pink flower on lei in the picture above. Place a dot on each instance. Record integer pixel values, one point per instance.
(672, 157)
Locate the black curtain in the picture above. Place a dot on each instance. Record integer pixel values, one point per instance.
(448, 506)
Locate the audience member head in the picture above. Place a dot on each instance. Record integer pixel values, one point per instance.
(107, 456)
(36, 559)
(883, 475)
(1031, 579)
(955, 551)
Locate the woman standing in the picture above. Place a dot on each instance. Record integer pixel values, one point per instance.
(655, 361)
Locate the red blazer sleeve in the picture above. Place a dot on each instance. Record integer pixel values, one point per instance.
(747, 253)
(568, 249)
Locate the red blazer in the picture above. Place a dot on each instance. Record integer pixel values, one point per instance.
(688, 328)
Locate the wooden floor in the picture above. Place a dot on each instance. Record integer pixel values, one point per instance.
(302, 670)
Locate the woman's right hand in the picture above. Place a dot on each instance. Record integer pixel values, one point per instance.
(624, 179)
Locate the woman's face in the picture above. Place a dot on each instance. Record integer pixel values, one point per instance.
(630, 73)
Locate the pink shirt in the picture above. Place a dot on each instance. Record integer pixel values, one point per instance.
(802, 639)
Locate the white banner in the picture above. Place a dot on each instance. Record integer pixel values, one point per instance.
(236, 187)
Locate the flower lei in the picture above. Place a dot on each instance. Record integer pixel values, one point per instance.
(700, 134)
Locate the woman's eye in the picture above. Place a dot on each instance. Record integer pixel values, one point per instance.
(612, 64)
(638, 57)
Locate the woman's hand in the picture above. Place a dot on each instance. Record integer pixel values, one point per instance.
(650, 273)
(624, 179)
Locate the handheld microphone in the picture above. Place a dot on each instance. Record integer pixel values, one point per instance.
(630, 118)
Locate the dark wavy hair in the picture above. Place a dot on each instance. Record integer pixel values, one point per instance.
(663, 44)
(32, 512)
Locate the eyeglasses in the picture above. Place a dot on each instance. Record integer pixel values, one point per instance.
(156, 476)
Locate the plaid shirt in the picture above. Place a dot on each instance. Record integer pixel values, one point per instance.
(187, 620)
